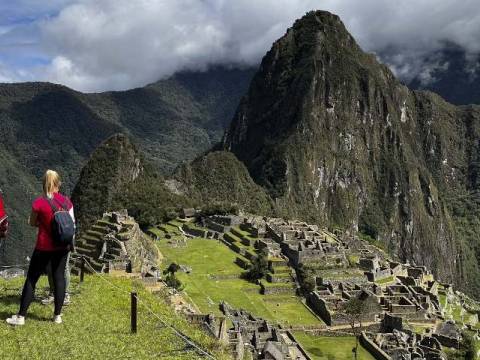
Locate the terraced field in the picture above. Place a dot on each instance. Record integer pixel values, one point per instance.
(331, 348)
(215, 277)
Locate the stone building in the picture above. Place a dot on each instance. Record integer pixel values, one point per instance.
(116, 242)
(260, 338)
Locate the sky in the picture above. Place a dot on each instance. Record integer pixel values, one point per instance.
(99, 45)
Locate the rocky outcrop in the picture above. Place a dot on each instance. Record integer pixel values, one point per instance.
(114, 242)
(336, 139)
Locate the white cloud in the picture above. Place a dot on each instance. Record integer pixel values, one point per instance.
(117, 44)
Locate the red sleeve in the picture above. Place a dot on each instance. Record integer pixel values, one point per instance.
(36, 206)
(69, 203)
(2, 209)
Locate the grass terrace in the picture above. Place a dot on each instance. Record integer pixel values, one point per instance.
(330, 348)
(385, 281)
(216, 277)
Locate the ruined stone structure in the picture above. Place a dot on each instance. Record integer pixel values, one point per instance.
(116, 242)
(343, 267)
(298, 241)
(329, 302)
(402, 345)
(262, 339)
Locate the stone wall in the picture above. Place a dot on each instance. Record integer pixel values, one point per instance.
(192, 231)
(373, 349)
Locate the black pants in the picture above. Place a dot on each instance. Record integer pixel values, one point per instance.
(38, 264)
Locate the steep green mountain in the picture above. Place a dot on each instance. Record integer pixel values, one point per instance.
(219, 178)
(50, 126)
(117, 177)
(336, 139)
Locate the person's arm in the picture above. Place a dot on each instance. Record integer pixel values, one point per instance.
(33, 219)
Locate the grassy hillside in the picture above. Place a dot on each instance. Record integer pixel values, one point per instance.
(97, 325)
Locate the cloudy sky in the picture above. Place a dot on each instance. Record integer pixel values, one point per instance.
(97, 45)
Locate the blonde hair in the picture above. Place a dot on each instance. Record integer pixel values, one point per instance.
(51, 183)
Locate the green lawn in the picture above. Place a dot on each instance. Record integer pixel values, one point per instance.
(386, 280)
(96, 325)
(208, 258)
(330, 348)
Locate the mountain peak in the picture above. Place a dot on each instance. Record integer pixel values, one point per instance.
(336, 139)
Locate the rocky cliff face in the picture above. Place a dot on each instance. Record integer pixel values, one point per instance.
(336, 139)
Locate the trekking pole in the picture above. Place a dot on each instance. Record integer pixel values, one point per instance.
(133, 312)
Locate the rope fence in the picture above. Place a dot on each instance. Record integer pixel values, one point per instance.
(134, 300)
(134, 297)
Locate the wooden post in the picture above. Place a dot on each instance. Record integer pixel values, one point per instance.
(133, 315)
(82, 269)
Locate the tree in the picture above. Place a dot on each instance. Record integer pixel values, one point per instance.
(355, 310)
(172, 268)
(259, 267)
(171, 280)
(306, 278)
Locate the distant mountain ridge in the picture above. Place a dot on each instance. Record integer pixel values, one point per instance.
(45, 125)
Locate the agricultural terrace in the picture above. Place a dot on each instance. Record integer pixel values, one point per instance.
(215, 277)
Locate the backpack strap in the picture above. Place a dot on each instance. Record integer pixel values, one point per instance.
(63, 206)
(60, 206)
(50, 202)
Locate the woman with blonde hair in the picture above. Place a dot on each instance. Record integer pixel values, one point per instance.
(47, 250)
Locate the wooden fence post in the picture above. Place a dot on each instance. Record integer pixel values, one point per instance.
(82, 269)
(133, 315)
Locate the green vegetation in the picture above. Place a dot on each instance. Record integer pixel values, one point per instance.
(216, 277)
(330, 348)
(171, 279)
(293, 155)
(258, 268)
(218, 178)
(306, 278)
(97, 325)
(386, 280)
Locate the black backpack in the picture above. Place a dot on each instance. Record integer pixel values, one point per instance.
(63, 226)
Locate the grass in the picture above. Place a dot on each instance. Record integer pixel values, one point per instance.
(96, 325)
(330, 348)
(340, 274)
(386, 280)
(210, 258)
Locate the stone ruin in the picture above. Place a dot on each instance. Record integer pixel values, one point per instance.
(402, 345)
(329, 302)
(303, 243)
(260, 338)
(116, 242)
(399, 292)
